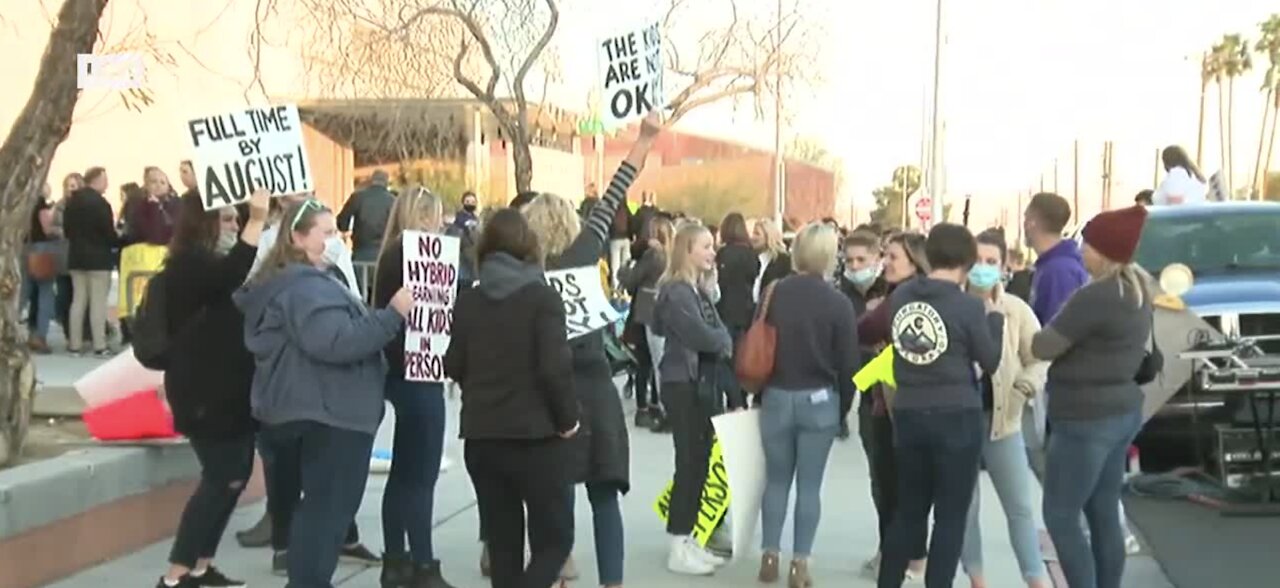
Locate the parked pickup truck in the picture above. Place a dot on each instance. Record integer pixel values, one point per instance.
(1233, 251)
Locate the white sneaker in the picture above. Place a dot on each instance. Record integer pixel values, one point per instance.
(1131, 545)
(684, 559)
(704, 554)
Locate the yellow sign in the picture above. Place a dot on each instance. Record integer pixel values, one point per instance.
(137, 264)
(715, 498)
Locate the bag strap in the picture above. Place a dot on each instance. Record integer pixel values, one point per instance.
(763, 311)
(1155, 348)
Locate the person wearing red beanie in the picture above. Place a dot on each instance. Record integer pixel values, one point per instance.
(1114, 235)
(1097, 344)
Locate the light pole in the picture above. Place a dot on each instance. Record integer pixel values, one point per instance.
(779, 164)
(935, 166)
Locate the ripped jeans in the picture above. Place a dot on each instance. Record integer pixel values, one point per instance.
(225, 467)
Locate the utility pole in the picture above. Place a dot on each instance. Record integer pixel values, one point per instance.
(935, 166)
(1055, 176)
(1075, 177)
(1155, 171)
(779, 165)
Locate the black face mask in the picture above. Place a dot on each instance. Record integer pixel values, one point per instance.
(469, 207)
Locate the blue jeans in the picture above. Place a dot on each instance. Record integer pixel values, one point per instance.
(797, 429)
(409, 497)
(937, 453)
(1011, 475)
(1084, 472)
(43, 305)
(606, 518)
(330, 466)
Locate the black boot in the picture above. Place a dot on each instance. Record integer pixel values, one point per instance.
(258, 535)
(397, 571)
(428, 576)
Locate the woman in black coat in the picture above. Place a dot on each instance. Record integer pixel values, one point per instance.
(603, 447)
(208, 375)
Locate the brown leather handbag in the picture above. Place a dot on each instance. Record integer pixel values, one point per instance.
(42, 266)
(753, 364)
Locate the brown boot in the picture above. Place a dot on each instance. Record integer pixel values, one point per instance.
(799, 577)
(768, 568)
(38, 346)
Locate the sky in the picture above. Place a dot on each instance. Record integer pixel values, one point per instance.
(1022, 80)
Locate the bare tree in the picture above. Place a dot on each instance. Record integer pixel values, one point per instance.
(747, 55)
(25, 157)
(384, 48)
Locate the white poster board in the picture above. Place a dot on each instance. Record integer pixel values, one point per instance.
(242, 150)
(586, 309)
(743, 451)
(630, 75)
(118, 378)
(431, 274)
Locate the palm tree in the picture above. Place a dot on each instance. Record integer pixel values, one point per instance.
(1268, 44)
(1237, 59)
(1208, 71)
(1216, 67)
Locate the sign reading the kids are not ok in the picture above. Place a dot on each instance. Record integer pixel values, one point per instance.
(631, 75)
(241, 151)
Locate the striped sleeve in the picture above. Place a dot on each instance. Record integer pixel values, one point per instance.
(601, 216)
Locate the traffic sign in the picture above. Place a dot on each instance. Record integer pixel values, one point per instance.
(924, 208)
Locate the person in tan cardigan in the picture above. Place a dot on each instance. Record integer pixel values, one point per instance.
(1006, 392)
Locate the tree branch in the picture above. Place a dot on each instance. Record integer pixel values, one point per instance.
(522, 105)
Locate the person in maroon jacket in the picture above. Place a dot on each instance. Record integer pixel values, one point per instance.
(153, 219)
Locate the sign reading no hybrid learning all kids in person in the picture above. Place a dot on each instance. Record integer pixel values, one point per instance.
(241, 151)
(631, 75)
(431, 274)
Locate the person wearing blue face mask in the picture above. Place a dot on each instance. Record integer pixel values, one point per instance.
(860, 281)
(1005, 393)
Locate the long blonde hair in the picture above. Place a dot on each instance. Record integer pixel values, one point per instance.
(556, 222)
(773, 242)
(300, 218)
(1128, 276)
(418, 209)
(679, 265)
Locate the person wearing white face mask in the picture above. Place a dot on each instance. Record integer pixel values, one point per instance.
(1005, 393)
(860, 281)
(337, 254)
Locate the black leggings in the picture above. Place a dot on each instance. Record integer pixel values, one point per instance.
(225, 467)
(876, 432)
(691, 433)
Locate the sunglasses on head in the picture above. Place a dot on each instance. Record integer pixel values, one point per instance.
(309, 204)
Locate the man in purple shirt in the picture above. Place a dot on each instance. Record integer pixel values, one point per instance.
(1059, 268)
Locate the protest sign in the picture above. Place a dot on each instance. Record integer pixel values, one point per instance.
(431, 274)
(715, 498)
(586, 309)
(138, 263)
(740, 442)
(240, 151)
(630, 75)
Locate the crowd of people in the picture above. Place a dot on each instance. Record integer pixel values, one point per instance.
(986, 363)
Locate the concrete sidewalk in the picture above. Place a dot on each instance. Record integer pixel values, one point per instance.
(846, 537)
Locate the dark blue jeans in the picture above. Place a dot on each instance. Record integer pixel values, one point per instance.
(606, 519)
(225, 467)
(331, 466)
(409, 496)
(280, 526)
(937, 454)
(1084, 472)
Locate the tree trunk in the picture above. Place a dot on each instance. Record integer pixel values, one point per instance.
(521, 159)
(1231, 136)
(1261, 186)
(24, 166)
(1271, 143)
(1204, 89)
(1222, 135)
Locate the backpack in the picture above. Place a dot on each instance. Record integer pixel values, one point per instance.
(150, 326)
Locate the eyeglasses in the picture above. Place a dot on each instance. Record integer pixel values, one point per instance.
(309, 204)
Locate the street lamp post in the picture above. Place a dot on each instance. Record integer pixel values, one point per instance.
(935, 166)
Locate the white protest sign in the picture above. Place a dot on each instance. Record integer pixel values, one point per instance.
(630, 75)
(743, 452)
(431, 274)
(586, 309)
(240, 151)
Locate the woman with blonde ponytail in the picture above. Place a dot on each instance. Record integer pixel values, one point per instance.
(420, 417)
(1098, 344)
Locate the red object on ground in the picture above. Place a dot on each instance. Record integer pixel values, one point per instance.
(141, 415)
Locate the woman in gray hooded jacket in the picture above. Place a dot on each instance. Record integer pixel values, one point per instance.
(317, 387)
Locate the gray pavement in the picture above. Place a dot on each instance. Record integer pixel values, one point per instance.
(846, 537)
